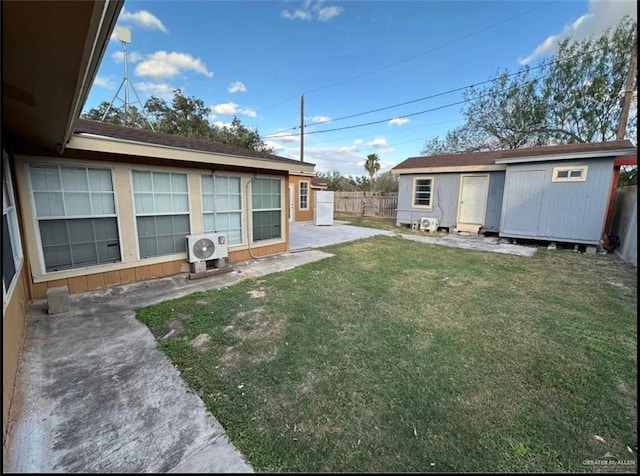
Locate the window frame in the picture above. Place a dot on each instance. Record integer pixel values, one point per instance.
(308, 184)
(36, 219)
(282, 237)
(570, 168)
(14, 226)
(177, 254)
(241, 210)
(431, 194)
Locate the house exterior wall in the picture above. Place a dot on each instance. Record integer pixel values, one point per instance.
(302, 214)
(445, 199)
(625, 223)
(132, 268)
(535, 207)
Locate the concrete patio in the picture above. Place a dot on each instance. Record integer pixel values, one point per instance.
(304, 235)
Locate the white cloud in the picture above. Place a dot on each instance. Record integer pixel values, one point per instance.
(161, 65)
(232, 109)
(237, 87)
(285, 137)
(398, 121)
(351, 148)
(313, 11)
(378, 142)
(327, 13)
(274, 146)
(221, 124)
(159, 90)
(104, 82)
(321, 119)
(601, 15)
(143, 19)
(132, 57)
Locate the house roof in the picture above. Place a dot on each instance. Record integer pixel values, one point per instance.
(317, 183)
(491, 158)
(85, 126)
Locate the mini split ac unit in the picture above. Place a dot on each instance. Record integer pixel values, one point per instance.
(206, 247)
(429, 224)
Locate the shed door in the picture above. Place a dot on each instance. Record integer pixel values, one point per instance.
(473, 199)
(522, 202)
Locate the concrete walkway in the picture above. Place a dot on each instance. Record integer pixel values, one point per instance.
(97, 396)
(481, 243)
(307, 235)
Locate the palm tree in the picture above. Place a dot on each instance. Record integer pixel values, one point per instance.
(372, 165)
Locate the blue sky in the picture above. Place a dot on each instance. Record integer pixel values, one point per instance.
(254, 59)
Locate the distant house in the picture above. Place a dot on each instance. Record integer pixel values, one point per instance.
(302, 190)
(89, 205)
(556, 193)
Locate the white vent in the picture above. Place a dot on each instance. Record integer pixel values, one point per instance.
(207, 247)
(429, 224)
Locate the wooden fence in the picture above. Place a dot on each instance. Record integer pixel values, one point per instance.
(367, 204)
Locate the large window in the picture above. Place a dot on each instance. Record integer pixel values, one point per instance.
(11, 246)
(222, 207)
(266, 203)
(423, 192)
(162, 212)
(304, 195)
(76, 213)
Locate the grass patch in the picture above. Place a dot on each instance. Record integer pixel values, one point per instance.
(388, 224)
(396, 356)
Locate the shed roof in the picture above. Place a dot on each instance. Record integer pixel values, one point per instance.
(104, 129)
(512, 155)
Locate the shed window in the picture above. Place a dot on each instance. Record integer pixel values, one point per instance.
(423, 192)
(76, 213)
(570, 174)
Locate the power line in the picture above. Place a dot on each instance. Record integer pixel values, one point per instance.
(450, 91)
(473, 33)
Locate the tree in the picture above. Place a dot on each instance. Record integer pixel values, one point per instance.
(372, 165)
(387, 183)
(185, 116)
(575, 96)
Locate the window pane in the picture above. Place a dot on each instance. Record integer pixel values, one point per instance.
(180, 243)
(142, 182)
(180, 203)
(84, 254)
(234, 237)
(148, 247)
(8, 265)
(45, 178)
(222, 202)
(108, 252)
(146, 226)
(179, 183)
(106, 229)
(165, 245)
(144, 203)
(163, 203)
(208, 223)
(6, 198)
(266, 225)
(563, 173)
(235, 202)
(74, 179)
(164, 225)
(234, 185)
(181, 224)
(77, 203)
(53, 232)
(48, 204)
(81, 231)
(222, 222)
(100, 180)
(57, 258)
(103, 204)
(222, 185)
(161, 182)
(575, 173)
(207, 202)
(207, 184)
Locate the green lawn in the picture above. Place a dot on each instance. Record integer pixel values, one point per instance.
(396, 356)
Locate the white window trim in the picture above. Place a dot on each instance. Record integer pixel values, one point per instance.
(582, 168)
(272, 241)
(413, 192)
(300, 195)
(179, 254)
(16, 241)
(36, 220)
(242, 206)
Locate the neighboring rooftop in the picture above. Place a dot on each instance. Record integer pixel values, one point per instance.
(490, 157)
(97, 128)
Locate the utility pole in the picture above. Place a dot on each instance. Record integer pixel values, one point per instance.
(302, 128)
(628, 94)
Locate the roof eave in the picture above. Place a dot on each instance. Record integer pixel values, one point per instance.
(570, 156)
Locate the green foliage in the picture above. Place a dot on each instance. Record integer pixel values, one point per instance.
(628, 176)
(575, 96)
(386, 183)
(372, 165)
(185, 116)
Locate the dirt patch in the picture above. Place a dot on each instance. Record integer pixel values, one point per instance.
(619, 285)
(257, 293)
(200, 343)
(203, 302)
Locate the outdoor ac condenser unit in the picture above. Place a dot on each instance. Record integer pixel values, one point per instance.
(429, 224)
(206, 247)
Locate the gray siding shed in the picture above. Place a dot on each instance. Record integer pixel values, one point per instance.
(445, 199)
(535, 207)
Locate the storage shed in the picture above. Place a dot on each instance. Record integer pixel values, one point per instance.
(553, 193)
